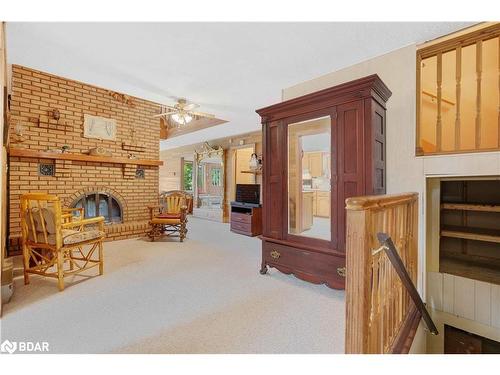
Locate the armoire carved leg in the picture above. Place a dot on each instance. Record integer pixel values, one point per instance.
(263, 268)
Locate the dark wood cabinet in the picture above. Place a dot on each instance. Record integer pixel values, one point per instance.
(348, 121)
(457, 341)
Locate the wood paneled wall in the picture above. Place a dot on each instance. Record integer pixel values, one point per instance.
(170, 172)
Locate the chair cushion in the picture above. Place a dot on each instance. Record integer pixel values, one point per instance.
(48, 219)
(165, 221)
(71, 237)
(168, 216)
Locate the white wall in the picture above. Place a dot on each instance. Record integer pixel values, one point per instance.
(397, 70)
(405, 172)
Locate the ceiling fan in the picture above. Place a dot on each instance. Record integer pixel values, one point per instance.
(182, 113)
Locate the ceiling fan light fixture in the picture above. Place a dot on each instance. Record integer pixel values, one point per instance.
(182, 118)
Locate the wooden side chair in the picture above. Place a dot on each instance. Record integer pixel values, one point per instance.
(56, 242)
(169, 217)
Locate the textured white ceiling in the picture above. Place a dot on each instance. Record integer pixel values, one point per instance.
(231, 69)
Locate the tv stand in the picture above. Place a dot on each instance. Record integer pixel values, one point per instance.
(246, 218)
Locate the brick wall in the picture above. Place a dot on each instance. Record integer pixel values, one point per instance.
(34, 95)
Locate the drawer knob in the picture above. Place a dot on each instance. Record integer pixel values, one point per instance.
(275, 254)
(341, 271)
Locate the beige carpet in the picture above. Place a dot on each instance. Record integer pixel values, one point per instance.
(203, 296)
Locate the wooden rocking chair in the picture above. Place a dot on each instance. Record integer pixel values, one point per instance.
(169, 217)
(53, 237)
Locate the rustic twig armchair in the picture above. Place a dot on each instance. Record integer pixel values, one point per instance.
(169, 217)
(187, 196)
(55, 242)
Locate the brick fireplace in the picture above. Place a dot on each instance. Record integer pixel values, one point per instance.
(119, 185)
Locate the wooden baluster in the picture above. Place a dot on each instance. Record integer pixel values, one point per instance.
(439, 130)
(371, 317)
(458, 79)
(382, 294)
(384, 297)
(498, 135)
(419, 149)
(479, 63)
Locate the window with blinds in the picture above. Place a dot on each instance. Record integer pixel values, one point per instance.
(458, 94)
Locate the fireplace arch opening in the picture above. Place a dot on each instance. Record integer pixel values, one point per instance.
(100, 203)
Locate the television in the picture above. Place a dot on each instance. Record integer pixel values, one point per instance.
(248, 193)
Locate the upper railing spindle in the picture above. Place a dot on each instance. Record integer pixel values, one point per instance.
(458, 78)
(479, 69)
(439, 83)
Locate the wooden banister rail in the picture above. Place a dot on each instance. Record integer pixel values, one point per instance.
(381, 316)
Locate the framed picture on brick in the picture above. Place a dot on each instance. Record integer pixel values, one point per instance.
(99, 127)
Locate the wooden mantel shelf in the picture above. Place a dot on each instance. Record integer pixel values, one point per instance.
(25, 153)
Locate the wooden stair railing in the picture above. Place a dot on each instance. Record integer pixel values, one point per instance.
(392, 253)
(382, 305)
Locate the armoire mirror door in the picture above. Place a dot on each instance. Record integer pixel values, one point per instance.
(311, 200)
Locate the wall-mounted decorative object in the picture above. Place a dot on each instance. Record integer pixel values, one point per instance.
(99, 151)
(122, 98)
(46, 169)
(55, 114)
(208, 151)
(18, 133)
(254, 162)
(99, 127)
(140, 173)
(52, 120)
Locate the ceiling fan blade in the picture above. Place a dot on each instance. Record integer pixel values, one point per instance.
(165, 114)
(201, 114)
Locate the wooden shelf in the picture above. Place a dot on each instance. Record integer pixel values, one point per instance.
(252, 172)
(468, 233)
(470, 207)
(471, 267)
(26, 153)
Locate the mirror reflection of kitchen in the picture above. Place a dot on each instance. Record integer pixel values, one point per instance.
(309, 173)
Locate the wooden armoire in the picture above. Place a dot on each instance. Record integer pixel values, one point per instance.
(346, 124)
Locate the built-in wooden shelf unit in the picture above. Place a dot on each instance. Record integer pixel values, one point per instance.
(470, 229)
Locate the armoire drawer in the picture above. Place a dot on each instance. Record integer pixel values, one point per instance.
(287, 256)
(310, 265)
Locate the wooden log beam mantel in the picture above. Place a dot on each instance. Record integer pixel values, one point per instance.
(25, 153)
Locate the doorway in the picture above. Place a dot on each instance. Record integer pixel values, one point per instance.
(241, 170)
